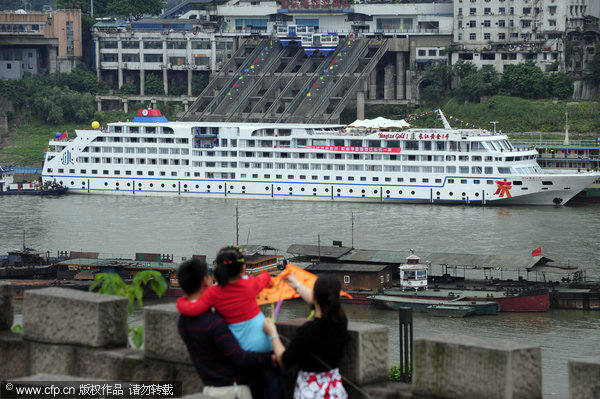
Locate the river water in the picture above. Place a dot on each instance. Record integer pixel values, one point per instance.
(121, 226)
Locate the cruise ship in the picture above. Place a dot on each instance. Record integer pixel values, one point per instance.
(151, 156)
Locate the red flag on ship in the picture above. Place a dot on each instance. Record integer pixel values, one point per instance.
(537, 252)
(64, 135)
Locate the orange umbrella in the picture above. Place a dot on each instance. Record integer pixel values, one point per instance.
(280, 290)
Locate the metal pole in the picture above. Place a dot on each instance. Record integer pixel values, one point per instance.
(405, 318)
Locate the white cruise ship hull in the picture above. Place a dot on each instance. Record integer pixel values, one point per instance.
(306, 162)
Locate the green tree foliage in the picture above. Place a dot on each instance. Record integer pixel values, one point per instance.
(593, 68)
(198, 84)
(477, 84)
(55, 99)
(463, 68)
(128, 88)
(135, 8)
(560, 85)
(154, 85)
(524, 80)
(112, 284)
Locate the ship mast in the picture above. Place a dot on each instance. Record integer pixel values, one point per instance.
(444, 121)
(566, 142)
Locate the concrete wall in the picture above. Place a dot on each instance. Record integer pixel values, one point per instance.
(73, 335)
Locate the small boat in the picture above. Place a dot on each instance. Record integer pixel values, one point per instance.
(423, 304)
(27, 263)
(9, 187)
(450, 311)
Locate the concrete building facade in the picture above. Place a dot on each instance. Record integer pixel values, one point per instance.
(501, 32)
(187, 42)
(39, 42)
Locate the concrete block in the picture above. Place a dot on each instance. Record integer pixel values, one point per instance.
(584, 378)
(191, 382)
(136, 367)
(6, 306)
(455, 366)
(66, 316)
(14, 348)
(102, 363)
(161, 337)
(51, 359)
(366, 358)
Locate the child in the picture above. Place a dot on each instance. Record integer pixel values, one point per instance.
(235, 299)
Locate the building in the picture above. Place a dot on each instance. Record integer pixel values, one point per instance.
(354, 277)
(39, 43)
(198, 37)
(500, 33)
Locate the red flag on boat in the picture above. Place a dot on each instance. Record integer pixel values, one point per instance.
(64, 135)
(537, 252)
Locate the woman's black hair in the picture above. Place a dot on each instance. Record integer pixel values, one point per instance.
(327, 295)
(229, 263)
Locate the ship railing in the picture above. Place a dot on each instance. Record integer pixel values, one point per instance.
(559, 143)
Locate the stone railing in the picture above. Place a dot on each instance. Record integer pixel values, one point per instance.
(70, 335)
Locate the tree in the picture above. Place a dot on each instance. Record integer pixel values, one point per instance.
(593, 68)
(560, 85)
(198, 83)
(135, 8)
(477, 84)
(154, 85)
(524, 80)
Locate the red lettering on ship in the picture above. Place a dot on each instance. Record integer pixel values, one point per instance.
(355, 149)
(503, 188)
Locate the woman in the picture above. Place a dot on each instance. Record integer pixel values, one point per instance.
(319, 343)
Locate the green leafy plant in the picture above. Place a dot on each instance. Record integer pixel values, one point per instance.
(113, 284)
(396, 373)
(17, 328)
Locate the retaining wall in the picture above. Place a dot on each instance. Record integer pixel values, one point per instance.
(69, 334)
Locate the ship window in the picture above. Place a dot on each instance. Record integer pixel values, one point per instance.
(400, 179)
(411, 145)
(438, 180)
(450, 169)
(517, 183)
(504, 170)
(450, 157)
(350, 178)
(338, 178)
(61, 170)
(173, 173)
(346, 279)
(413, 180)
(476, 181)
(425, 180)
(363, 178)
(463, 181)
(489, 170)
(546, 183)
(450, 181)
(302, 177)
(464, 170)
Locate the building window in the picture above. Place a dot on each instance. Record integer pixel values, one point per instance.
(502, 23)
(487, 23)
(502, 10)
(486, 36)
(381, 279)
(472, 11)
(472, 36)
(472, 24)
(346, 279)
(487, 11)
(501, 36)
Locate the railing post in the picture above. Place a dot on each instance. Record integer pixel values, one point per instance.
(405, 317)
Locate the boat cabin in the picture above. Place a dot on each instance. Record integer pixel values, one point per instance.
(413, 275)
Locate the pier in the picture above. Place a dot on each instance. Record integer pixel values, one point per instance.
(91, 344)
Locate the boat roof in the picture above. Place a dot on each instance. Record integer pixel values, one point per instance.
(373, 255)
(318, 250)
(346, 267)
(506, 262)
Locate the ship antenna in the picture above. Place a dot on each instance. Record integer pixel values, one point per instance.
(444, 121)
(23, 240)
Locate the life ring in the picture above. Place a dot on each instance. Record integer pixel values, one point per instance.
(145, 112)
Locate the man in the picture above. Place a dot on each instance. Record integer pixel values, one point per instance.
(216, 354)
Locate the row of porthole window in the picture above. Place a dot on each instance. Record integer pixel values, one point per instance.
(267, 188)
